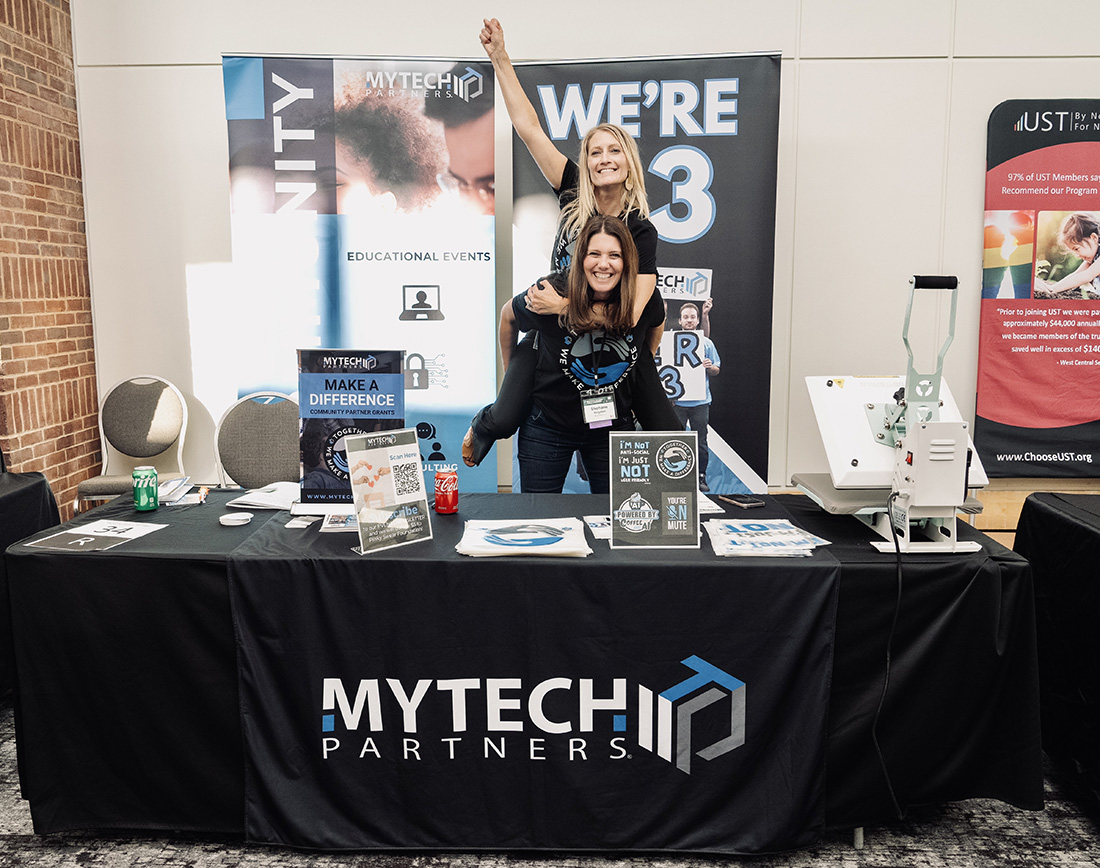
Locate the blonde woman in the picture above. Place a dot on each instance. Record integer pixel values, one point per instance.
(610, 182)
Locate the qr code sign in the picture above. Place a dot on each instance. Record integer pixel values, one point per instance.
(406, 478)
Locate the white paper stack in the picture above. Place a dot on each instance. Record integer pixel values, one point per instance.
(765, 538)
(544, 537)
(171, 491)
(278, 495)
(600, 525)
(706, 505)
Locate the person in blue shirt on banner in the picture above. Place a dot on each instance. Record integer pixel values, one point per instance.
(696, 414)
(612, 183)
(584, 356)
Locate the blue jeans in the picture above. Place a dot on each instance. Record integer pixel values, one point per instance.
(545, 453)
(697, 419)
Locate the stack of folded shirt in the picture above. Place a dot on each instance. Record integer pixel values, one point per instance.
(765, 538)
(545, 537)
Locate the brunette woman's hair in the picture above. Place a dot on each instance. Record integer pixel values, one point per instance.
(618, 311)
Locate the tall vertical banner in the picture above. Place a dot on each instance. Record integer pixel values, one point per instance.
(362, 216)
(1038, 400)
(707, 129)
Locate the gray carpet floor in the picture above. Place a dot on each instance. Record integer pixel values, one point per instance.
(979, 833)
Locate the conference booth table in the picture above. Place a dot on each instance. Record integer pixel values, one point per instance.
(271, 682)
(1060, 535)
(27, 505)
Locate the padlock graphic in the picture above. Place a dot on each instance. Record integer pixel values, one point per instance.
(416, 376)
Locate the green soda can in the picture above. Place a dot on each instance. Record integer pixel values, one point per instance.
(145, 488)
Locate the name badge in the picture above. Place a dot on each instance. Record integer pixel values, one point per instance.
(599, 410)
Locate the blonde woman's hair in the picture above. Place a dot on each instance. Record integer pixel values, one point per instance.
(618, 313)
(634, 197)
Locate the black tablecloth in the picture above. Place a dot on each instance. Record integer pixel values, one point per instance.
(127, 693)
(1060, 535)
(961, 715)
(27, 506)
(314, 618)
(130, 704)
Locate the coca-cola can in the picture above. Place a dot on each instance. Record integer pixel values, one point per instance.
(446, 491)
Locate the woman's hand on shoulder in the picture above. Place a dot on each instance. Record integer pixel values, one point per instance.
(542, 298)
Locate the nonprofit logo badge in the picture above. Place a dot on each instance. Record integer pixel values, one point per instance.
(675, 459)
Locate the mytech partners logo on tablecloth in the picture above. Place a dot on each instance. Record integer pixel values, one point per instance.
(557, 718)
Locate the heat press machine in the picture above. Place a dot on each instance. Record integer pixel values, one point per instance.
(900, 454)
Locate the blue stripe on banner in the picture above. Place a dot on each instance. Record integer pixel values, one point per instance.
(243, 78)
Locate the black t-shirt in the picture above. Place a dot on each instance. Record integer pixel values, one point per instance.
(643, 232)
(568, 364)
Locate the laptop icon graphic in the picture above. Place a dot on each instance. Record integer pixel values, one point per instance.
(421, 302)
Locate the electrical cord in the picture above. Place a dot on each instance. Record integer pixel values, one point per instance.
(886, 676)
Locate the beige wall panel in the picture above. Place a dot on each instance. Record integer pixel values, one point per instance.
(876, 28)
(156, 178)
(869, 178)
(200, 31)
(1019, 28)
(782, 302)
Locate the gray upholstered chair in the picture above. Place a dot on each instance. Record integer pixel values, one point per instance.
(256, 441)
(142, 420)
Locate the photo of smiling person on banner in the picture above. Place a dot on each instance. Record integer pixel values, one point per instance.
(694, 411)
(468, 127)
(388, 154)
(1070, 267)
(414, 229)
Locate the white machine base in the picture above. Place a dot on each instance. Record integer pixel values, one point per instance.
(869, 506)
(880, 523)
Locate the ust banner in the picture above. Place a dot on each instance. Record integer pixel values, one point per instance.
(362, 216)
(707, 129)
(1038, 401)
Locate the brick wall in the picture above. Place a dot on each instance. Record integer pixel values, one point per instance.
(48, 402)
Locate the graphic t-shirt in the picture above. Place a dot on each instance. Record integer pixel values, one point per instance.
(642, 231)
(593, 363)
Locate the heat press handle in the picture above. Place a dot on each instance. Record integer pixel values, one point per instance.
(931, 281)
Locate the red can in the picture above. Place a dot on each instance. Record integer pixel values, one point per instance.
(446, 491)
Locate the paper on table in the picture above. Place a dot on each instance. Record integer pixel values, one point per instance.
(278, 495)
(600, 525)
